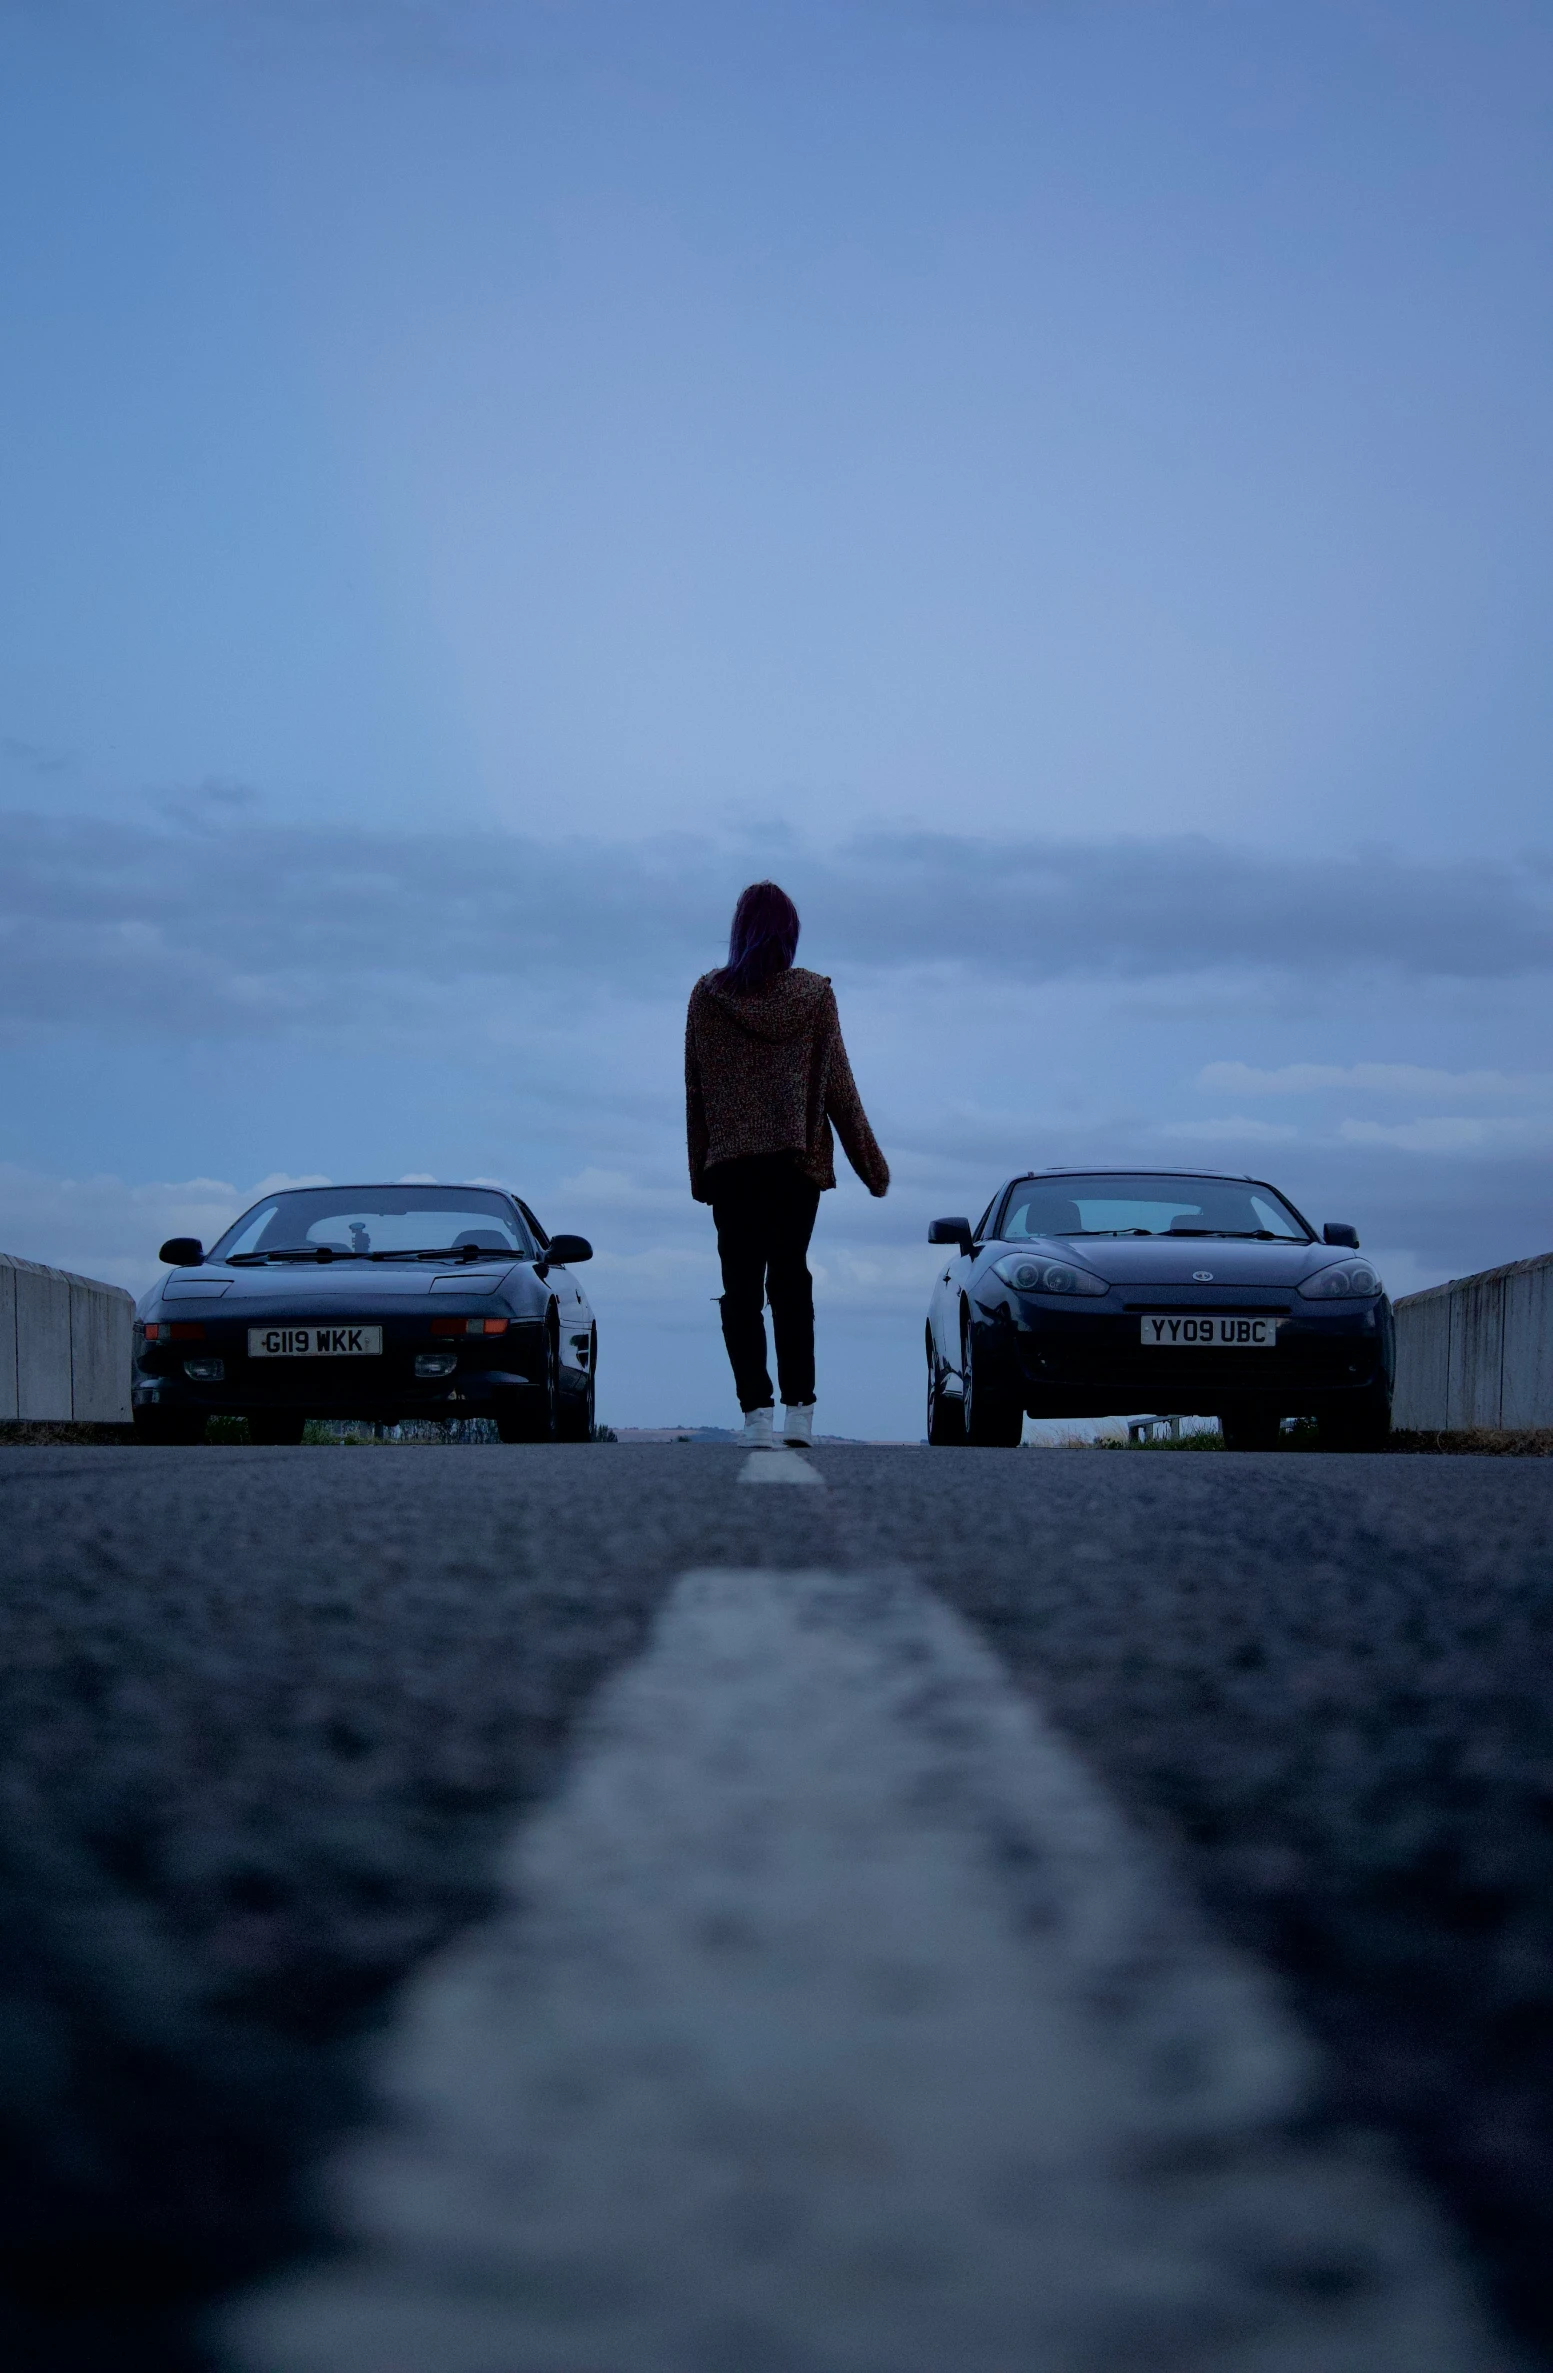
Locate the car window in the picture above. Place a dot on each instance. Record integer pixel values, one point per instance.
(541, 1235)
(366, 1220)
(1146, 1204)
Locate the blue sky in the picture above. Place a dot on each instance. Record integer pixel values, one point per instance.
(1065, 487)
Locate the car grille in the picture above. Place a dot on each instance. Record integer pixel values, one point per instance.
(1204, 1310)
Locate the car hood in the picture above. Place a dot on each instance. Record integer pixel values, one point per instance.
(1164, 1260)
(342, 1282)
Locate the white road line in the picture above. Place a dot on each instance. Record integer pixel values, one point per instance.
(833, 2022)
(779, 1466)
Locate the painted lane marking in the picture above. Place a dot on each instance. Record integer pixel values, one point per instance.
(833, 2022)
(778, 1466)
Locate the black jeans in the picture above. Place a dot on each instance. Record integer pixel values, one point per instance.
(765, 1209)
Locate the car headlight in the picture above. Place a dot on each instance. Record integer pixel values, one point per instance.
(1029, 1273)
(1345, 1281)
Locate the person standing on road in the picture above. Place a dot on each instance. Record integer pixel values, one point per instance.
(765, 1076)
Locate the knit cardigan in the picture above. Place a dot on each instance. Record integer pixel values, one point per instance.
(767, 1074)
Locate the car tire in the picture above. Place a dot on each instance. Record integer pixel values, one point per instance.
(993, 1419)
(171, 1428)
(536, 1419)
(1250, 1429)
(1360, 1423)
(945, 1414)
(275, 1429)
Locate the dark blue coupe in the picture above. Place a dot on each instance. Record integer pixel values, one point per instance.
(1095, 1293)
(379, 1302)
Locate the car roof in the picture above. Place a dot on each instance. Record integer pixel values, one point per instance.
(397, 1186)
(1132, 1170)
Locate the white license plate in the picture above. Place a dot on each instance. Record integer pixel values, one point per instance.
(315, 1343)
(1197, 1332)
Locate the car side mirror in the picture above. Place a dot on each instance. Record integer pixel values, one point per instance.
(565, 1250)
(952, 1231)
(182, 1252)
(1338, 1231)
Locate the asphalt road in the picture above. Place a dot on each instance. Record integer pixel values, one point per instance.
(268, 1718)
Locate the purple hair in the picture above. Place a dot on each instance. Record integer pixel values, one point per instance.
(763, 940)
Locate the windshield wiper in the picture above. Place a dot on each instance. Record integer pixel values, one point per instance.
(294, 1252)
(451, 1252)
(335, 1252)
(1236, 1235)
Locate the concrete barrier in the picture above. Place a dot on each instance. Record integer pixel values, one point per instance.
(1478, 1352)
(65, 1346)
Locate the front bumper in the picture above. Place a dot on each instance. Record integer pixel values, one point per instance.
(1090, 1362)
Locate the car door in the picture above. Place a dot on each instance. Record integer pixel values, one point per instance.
(955, 1287)
(950, 1288)
(576, 1329)
(943, 1308)
(574, 1313)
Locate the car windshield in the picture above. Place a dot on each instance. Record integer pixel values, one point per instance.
(1148, 1204)
(378, 1223)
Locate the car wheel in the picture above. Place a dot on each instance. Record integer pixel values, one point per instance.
(1250, 1429)
(1362, 1423)
(275, 1429)
(178, 1428)
(945, 1423)
(993, 1420)
(535, 1418)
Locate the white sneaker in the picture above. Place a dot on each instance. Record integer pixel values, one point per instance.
(798, 1427)
(758, 1434)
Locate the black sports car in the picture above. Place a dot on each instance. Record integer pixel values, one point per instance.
(1092, 1293)
(378, 1302)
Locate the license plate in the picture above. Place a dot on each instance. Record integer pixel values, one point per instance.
(1200, 1333)
(315, 1343)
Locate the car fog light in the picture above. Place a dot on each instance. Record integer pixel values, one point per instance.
(435, 1363)
(204, 1371)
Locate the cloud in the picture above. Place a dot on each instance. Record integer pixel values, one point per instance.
(234, 925)
(209, 805)
(682, 1276)
(1375, 1079)
(1043, 909)
(106, 1227)
(611, 1190)
(35, 758)
(876, 1276)
(1402, 1272)
(1445, 1134)
(1229, 1132)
